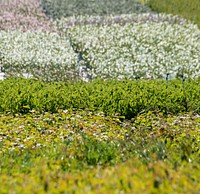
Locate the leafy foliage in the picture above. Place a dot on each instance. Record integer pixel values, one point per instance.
(128, 98)
(73, 137)
(65, 8)
(89, 152)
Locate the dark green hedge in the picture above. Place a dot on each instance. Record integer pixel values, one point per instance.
(64, 8)
(128, 98)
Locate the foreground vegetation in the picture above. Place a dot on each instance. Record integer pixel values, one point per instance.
(75, 152)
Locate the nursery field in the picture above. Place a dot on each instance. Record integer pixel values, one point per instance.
(99, 96)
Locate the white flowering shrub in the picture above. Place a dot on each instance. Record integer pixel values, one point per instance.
(43, 55)
(114, 47)
(156, 46)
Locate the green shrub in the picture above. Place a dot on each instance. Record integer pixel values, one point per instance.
(88, 152)
(128, 98)
(92, 151)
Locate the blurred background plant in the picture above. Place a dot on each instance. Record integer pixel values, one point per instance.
(189, 9)
(65, 8)
(42, 55)
(24, 15)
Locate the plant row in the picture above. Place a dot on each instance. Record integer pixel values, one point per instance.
(136, 47)
(127, 98)
(115, 47)
(65, 8)
(122, 20)
(43, 55)
(87, 152)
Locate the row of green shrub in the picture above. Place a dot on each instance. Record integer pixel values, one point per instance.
(128, 98)
(189, 9)
(51, 153)
(64, 8)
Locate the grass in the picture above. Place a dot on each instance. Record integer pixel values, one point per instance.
(189, 9)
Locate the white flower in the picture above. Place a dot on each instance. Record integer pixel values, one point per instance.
(143, 48)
